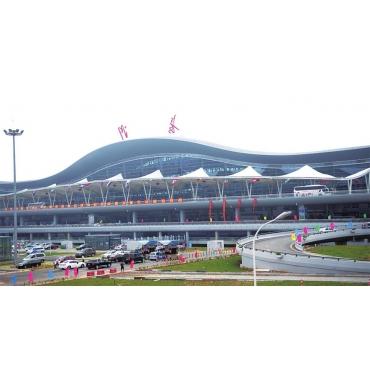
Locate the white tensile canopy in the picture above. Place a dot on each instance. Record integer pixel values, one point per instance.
(247, 172)
(197, 174)
(117, 177)
(307, 172)
(154, 175)
(81, 182)
(359, 174)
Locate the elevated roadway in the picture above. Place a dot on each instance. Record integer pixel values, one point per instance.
(275, 252)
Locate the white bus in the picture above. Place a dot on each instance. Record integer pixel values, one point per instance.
(310, 190)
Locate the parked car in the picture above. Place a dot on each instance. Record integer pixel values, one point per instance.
(86, 252)
(71, 264)
(98, 263)
(118, 256)
(62, 259)
(108, 253)
(136, 256)
(36, 254)
(48, 246)
(30, 261)
(157, 256)
(82, 246)
(35, 250)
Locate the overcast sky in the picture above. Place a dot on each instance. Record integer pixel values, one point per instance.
(274, 76)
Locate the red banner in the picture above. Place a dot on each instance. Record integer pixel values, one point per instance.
(224, 209)
(254, 204)
(210, 209)
(239, 204)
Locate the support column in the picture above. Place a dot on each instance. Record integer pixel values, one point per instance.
(134, 217)
(182, 215)
(134, 235)
(30, 237)
(216, 235)
(21, 221)
(187, 238)
(91, 219)
(49, 236)
(68, 236)
(55, 220)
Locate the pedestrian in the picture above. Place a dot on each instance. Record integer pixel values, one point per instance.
(122, 266)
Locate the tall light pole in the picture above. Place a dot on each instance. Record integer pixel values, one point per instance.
(282, 215)
(14, 133)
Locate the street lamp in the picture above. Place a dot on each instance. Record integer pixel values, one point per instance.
(14, 133)
(281, 216)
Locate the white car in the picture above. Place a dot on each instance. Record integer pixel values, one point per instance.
(71, 264)
(108, 253)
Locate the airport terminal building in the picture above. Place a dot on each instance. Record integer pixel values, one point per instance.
(177, 188)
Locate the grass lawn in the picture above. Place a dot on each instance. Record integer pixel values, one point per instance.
(228, 264)
(357, 252)
(144, 282)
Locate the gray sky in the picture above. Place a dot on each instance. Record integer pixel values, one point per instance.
(275, 76)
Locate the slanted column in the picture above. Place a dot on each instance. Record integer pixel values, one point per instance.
(182, 215)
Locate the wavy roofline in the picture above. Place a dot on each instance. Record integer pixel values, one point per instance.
(244, 151)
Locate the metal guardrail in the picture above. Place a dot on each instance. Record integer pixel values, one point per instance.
(115, 203)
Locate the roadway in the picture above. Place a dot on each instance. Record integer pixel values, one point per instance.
(42, 274)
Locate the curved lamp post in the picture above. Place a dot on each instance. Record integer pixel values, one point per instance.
(279, 217)
(14, 133)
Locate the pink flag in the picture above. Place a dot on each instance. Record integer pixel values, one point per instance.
(332, 226)
(30, 277)
(299, 238)
(66, 272)
(75, 272)
(305, 230)
(131, 264)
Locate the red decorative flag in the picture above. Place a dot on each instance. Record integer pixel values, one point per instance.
(172, 127)
(239, 203)
(30, 277)
(131, 264)
(75, 272)
(224, 208)
(123, 132)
